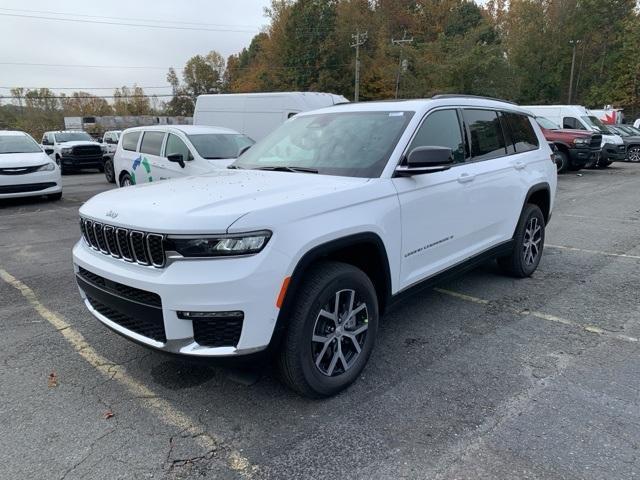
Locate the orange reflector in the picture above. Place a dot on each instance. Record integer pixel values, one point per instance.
(283, 292)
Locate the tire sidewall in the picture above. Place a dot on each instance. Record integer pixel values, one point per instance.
(108, 171)
(565, 163)
(529, 212)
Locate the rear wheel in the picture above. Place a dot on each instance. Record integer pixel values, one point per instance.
(528, 244)
(108, 171)
(332, 330)
(125, 180)
(634, 154)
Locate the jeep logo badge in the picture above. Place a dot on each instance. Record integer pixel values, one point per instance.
(111, 214)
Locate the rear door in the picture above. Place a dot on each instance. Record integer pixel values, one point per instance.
(148, 166)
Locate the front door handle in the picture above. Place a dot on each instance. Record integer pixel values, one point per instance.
(519, 165)
(466, 178)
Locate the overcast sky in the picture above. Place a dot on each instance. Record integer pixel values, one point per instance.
(41, 41)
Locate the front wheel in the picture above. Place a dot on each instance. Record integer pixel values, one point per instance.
(332, 330)
(528, 244)
(108, 171)
(563, 161)
(634, 154)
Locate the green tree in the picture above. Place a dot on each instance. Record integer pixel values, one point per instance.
(131, 101)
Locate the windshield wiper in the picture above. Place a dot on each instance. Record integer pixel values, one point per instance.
(234, 167)
(288, 169)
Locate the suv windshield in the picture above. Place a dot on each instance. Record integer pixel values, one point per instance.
(73, 137)
(546, 123)
(18, 144)
(354, 144)
(219, 145)
(596, 124)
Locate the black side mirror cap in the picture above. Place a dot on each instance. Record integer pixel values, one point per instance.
(48, 151)
(177, 158)
(244, 149)
(423, 160)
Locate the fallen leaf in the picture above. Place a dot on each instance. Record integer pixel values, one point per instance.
(108, 414)
(52, 381)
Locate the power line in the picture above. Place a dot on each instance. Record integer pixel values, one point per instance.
(83, 66)
(81, 88)
(61, 97)
(120, 24)
(49, 12)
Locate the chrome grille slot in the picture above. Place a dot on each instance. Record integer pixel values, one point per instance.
(129, 245)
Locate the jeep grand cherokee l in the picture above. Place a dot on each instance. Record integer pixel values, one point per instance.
(300, 245)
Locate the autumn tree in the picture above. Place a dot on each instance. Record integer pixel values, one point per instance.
(85, 104)
(131, 101)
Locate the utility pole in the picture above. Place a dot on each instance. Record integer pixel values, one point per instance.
(359, 40)
(573, 64)
(400, 42)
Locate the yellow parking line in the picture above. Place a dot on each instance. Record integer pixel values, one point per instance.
(542, 316)
(598, 252)
(158, 406)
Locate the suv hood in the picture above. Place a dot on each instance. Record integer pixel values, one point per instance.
(211, 203)
(17, 160)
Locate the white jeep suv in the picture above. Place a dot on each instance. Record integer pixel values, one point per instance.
(300, 245)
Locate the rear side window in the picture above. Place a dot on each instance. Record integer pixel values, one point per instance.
(522, 135)
(130, 141)
(441, 129)
(152, 143)
(487, 140)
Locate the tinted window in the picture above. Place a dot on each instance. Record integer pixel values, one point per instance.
(570, 122)
(130, 141)
(523, 135)
(219, 145)
(152, 143)
(486, 135)
(441, 129)
(175, 145)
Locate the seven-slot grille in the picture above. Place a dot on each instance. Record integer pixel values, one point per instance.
(129, 245)
(596, 141)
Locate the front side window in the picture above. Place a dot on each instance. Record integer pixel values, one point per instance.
(130, 141)
(73, 137)
(573, 123)
(441, 129)
(18, 144)
(487, 140)
(354, 144)
(214, 146)
(177, 146)
(523, 135)
(152, 143)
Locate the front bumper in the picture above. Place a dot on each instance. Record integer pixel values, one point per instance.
(74, 161)
(31, 184)
(243, 284)
(614, 153)
(582, 156)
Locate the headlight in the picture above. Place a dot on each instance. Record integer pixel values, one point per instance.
(66, 151)
(47, 167)
(581, 141)
(219, 246)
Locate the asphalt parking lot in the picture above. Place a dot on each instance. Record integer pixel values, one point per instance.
(485, 377)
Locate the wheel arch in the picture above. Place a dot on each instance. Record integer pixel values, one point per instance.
(540, 195)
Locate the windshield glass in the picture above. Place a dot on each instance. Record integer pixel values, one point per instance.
(219, 145)
(619, 131)
(596, 124)
(73, 137)
(355, 144)
(18, 144)
(546, 123)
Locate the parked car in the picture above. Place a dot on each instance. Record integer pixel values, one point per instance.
(109, 145)
(149, 154)
(301, 244)
(577, 117)
(258, 114)
(631, 140)
(25, 169)
(575, 148)
(73, 151)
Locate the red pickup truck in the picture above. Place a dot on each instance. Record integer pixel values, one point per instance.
(576, 148)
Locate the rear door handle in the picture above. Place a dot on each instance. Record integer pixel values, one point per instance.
(466, 178)
(519, 165)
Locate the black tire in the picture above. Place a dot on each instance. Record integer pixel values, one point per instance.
(101, 168)
(574, 168)
(125, 180)
(519, 264)
(109, 174)
(604, 163)
(633, 155)
(564, 162)
(54, 197)
(305, 364)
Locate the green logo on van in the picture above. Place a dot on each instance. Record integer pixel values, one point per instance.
(145, 163)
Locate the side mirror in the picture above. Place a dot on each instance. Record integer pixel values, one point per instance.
(423, 160)
(177, 158)
(48, 151)
(244, 149)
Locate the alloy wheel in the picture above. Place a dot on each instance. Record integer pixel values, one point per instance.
(339, 333)
(531, 241)
(634, 154)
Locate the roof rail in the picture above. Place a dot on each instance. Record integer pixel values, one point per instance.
(455, 95)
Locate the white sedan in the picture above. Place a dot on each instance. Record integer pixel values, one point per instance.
(25, 169)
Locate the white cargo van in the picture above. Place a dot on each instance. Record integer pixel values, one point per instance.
(577, 117)
(258, 114)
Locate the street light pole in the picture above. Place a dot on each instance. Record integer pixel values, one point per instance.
(573, 64)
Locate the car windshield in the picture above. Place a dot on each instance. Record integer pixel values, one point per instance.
(214, 146)
(73, 137)
(596, 124)
(18, 144)
(355, 144)
(619, 131)
(546, 123)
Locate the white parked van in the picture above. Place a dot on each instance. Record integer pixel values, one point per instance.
(577, 117)
(149, 154)
(258, 114)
